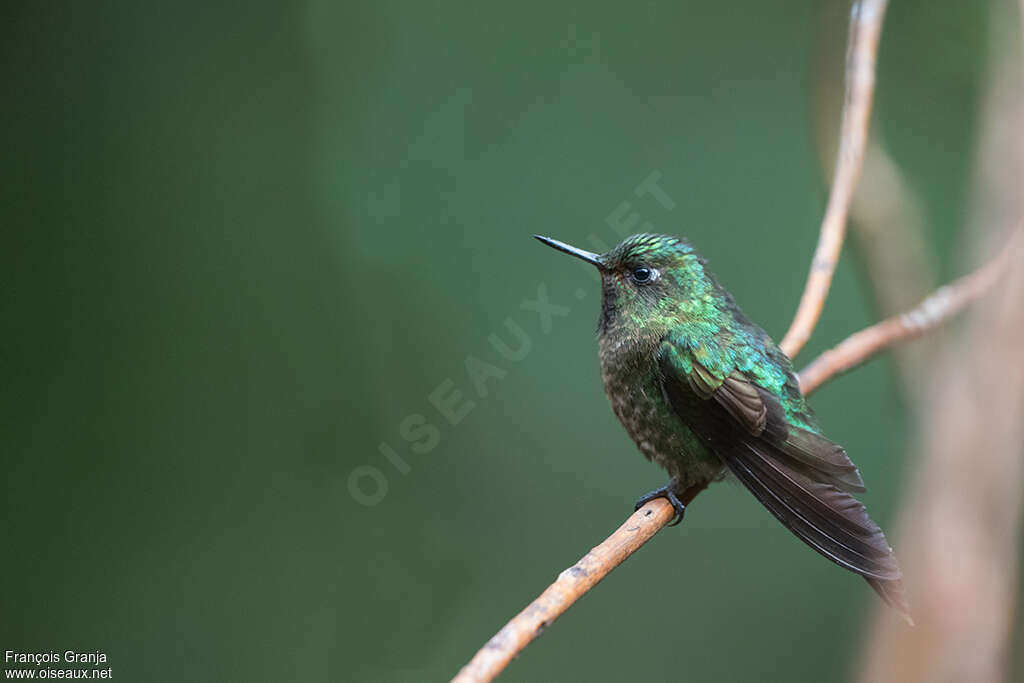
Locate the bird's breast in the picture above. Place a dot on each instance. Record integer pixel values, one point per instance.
(632, 383)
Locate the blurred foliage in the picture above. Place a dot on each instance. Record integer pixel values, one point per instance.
(245, 242)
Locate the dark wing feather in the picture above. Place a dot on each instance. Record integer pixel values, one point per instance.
(802, 478)
(826, 458)
(744, 402)
(830, 520)
(760, 414)
(846, 534)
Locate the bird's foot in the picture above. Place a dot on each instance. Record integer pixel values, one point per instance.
(667, 491)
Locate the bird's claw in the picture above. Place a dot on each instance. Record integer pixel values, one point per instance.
(668, 492)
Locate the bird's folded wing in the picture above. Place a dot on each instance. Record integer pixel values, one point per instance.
(803, 479)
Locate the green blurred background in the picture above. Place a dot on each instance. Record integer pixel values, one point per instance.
(245, 241)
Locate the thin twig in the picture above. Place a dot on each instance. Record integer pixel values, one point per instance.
(886, 225)
(570, 586)
(865, 31)
(941, 305)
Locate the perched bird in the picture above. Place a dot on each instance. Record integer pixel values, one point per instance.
(704, 391)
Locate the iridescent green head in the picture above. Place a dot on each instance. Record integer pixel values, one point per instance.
(644, 278)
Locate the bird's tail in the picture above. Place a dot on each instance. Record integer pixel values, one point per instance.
(892, 592)
(805, 482)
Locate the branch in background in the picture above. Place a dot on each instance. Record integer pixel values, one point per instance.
(960, 528)
(886, 222)
(930, 313)
(865, 31)
(961, 525)
(893, 257)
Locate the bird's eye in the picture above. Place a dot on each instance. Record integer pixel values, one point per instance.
(644, 275)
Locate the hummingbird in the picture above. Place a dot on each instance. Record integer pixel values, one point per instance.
(704, 392)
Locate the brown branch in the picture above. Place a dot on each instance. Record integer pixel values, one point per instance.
(570, 586)
(934, 310)
(865, 31)
(886, 222)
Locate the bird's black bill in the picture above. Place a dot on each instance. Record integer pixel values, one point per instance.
(587, 256)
